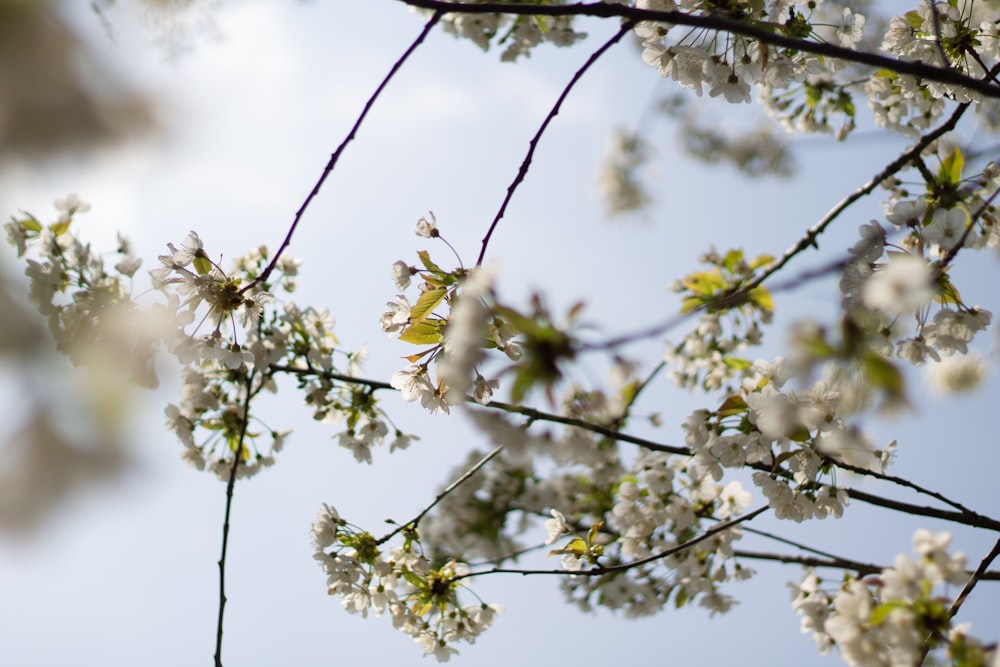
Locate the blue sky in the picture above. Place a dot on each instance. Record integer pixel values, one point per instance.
(248, 118)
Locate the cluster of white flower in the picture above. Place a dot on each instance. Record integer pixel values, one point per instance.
(519, 34)
(89, 307)
(765, 422)
(604, 513)
(456, 339)
(707, 358)
(961, 36)
(620, 181)
(896, 618)
(422, 600)
(729, 68)
(879, 286)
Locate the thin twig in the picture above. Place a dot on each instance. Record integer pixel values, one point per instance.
(899, 481)
(979, 575)
(760, 31)
(444, 492)
(863, 569)
(526, 163)
(809, 238)
(230, 485)
(602, 570)
(340, 149)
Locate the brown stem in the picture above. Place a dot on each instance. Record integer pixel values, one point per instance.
(526, 163)
(340, 149)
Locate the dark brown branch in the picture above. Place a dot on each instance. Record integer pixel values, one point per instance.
(230, 485)
(719, 22)
(809, 238)
(526, 163)
(863, 569)
(979, 575)
(340, 149)
(967, 519)
(602, 570)
(964, 516)
(538, 415)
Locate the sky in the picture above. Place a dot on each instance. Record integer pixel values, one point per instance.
(247, 117)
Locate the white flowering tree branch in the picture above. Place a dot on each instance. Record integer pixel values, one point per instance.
(630, 525)
(719, 21)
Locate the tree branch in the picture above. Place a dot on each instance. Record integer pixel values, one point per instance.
(979, 575)
(230, 485)
(719, 22)
(332, 162)
(444, 492)
(526, 163)
(809, 238)
(602, 570)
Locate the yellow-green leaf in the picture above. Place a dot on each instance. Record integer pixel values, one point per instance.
(732, 258)
(733, 405)
(428, 332)
(704, 282)
(592, 535)
(882, 374)
(59, 228)
(951, 167)
(737, 363)
(426, 304)
(761, 297)
(761, 260)
(691, 303)
(946, 291)
(202, 265)
(31, 223)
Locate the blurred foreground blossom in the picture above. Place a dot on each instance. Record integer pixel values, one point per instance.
(53, 95)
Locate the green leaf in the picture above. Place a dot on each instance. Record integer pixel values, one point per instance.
(737, 363)
(31, 223)
(761, 260)
(733, 257)
(576, 546)
(881, 612)
(690, 304)
(680, 597)
(915, 19)
(425, 259)
(733, 405)
(414, 579)
(426, 303)
(882, 374)
(594, 530)
(202, 264)
(704, 282)
(761, 297)
(428, 332)
(946, 291)
(59, 228)
(950, 172)
(813, 95)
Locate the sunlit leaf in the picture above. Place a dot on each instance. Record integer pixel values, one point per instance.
(426, 304)
(704, 282)
(950, 172)
(428, 332)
